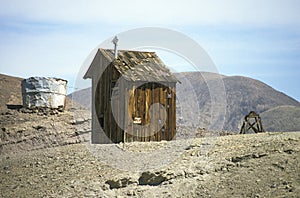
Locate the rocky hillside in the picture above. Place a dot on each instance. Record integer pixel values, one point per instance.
(282, 118)
(82, 97)
(10, 89)
(242, 96)
(25, 130)
(246, 94)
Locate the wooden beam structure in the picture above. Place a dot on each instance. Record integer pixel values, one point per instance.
(252, 122)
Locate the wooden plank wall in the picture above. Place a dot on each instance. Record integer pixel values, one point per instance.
(104, 103)
(139, 101)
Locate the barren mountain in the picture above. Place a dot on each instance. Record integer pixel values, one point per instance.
(243, 95)
(82, 97)
(10, 89)
(282, 118)
(246, 94)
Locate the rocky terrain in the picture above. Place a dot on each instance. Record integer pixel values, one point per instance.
(47, 153)
(257, 165)
(23, 130)
(282, 118)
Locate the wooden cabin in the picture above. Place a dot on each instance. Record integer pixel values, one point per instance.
(133, 97)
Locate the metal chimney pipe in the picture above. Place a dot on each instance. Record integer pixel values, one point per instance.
(115, 42)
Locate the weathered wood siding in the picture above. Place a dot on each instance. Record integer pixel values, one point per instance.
(133, 100)
(105, 98)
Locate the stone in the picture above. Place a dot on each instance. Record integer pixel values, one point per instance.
(285, 182)
(120, 183)
(131, 193)
(39, 127)
(224, 169)
(152, 179)
(273, 186)
(105, 187)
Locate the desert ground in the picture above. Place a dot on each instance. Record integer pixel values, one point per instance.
(48, 154)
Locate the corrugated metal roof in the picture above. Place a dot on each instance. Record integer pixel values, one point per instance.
(140, 66)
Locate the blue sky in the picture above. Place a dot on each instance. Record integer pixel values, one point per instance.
(250, 38)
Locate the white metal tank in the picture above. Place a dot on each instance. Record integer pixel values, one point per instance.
(44, 92)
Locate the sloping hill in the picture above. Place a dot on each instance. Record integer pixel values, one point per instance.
(246, 94)
(82, 97)
(243, 95)
(10, 89)
(282, 118)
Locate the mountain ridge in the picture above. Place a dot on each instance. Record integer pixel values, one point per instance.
(243, 94)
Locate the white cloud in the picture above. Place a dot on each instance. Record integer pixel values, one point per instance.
(156, 12)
